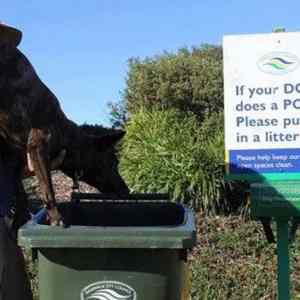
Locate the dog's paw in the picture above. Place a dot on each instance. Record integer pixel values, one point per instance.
(55, 218)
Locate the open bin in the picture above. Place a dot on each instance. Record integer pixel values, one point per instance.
(131, 250)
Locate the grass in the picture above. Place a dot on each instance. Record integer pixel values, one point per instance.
(234, 261)
(231, 261)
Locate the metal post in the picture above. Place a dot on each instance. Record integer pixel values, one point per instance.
(283, 258)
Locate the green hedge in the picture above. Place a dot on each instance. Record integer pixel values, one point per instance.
(168, 151)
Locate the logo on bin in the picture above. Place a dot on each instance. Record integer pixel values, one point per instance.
(108, 290)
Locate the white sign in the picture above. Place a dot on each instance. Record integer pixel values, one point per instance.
(262, 103)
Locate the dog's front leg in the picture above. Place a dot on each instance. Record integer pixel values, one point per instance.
(37, 147)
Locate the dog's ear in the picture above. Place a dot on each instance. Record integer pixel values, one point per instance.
(108, 140)
(9, 36)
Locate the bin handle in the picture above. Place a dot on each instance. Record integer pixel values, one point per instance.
(76, 196)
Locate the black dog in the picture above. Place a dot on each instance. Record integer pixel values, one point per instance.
(33, 124)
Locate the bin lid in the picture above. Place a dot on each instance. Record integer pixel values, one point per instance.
(114, 225)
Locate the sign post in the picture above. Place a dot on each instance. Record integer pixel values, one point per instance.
(262, 129)
(283, 259)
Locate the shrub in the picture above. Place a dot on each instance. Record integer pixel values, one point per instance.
(167, 151)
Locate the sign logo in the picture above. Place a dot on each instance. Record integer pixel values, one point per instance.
(108, 290)
(278, 63)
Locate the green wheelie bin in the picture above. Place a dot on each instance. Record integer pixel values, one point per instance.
(113, 250)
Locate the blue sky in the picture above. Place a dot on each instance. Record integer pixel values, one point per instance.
(80, 48)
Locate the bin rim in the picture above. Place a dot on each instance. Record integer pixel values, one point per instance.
(35, 235)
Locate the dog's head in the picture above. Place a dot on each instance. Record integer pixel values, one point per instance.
(100, 163)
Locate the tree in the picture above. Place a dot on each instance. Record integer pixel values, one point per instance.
(118, 114)
(190, 80)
